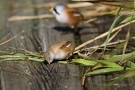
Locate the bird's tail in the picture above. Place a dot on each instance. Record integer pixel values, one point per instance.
(91, 21)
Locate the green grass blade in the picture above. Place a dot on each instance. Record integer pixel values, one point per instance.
(108, 63)
(128, 56)
(117, 50)
(13, 59)
(105, 70)
(128, 19)
(84, 62)
(130, 64)
(129, 73)
(110, 30)
(113, 25)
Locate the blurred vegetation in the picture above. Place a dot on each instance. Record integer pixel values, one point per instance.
(105, 58)
(119, 58)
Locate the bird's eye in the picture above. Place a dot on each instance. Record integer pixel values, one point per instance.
(49, 58)
(56, 11)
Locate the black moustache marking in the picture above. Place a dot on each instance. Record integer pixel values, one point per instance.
(55, 11)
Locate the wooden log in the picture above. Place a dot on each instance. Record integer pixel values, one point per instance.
(14, 75)
(101, 81)
(26, 75)
(39, 35)
(57, 76)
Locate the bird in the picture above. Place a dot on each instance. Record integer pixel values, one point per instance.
(67, 15)
(59, 51)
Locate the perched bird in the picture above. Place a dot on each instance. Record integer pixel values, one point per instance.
(59, 51)
(69, 16)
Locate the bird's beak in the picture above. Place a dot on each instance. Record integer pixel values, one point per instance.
(51, 10)
(49, 62)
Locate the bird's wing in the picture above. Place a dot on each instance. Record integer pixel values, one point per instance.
(74, 12)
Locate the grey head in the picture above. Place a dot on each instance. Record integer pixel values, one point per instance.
(49, 56)
(58, 8)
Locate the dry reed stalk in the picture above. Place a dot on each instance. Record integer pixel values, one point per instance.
(73, 5)
(8, 33)
(89, 13)
(103, 35)
(15, 18)
(112, 37)
(48, 5)
(12, 38)
(109, 44)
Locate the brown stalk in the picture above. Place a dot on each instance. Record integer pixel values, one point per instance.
(103, 35)
(12, 38)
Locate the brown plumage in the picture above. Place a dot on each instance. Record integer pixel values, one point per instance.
(59, 51)
(69, 16)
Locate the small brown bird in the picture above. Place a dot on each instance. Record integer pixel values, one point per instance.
(59, 51)
(67, 15)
